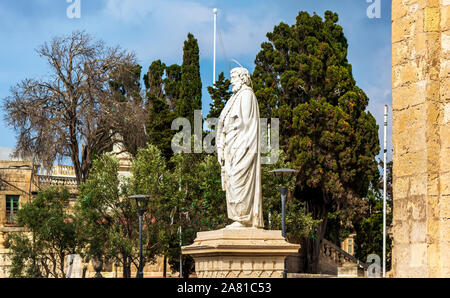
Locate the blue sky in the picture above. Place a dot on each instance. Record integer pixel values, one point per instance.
(156, 29)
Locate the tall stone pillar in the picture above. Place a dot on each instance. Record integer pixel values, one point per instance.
(421, 137)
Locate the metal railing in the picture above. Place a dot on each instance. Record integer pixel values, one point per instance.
(11, 217)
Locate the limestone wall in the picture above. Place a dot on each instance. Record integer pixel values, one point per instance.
(15, 179)
(421, 137)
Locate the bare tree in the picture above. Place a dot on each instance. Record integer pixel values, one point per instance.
(69, 113)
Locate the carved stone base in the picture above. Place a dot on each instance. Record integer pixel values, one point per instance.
(240, 253)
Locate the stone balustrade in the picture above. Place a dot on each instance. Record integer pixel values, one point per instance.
(337, 255)
(58, 170)
(46, 181)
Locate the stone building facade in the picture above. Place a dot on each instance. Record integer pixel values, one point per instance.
(348, 245)
(421, 137)
(16, 188)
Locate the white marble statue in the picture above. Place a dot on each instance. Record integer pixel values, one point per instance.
(239, 153)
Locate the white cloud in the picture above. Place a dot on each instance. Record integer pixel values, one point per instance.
(165, 24)
(127, 11)
(136, 11)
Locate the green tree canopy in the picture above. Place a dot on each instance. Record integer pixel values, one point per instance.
(107, 219)
(298, 223)
(303, 77)
(220, 94)
(50, 235)
(191, 85)
(162, 86)
(369, 224)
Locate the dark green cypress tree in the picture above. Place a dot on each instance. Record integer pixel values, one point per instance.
(160, 117)
(158, 126)
(219, 95)
(190, 98)
(154, 78)
(303, 77)
(172, 83)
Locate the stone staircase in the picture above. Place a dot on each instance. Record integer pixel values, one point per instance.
(333, 262)
(343, 264)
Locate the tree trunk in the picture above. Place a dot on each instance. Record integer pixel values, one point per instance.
(61, 258)
(313, 244)
(126, 268)
(165, 267)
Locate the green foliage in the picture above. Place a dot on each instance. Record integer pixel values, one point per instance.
(171, 91)
(187, 204)
(339, 224)
(159, 126)
(298, 223)
(211, 201)
(191, 85)
(50, 235)
(126, 85)
(174, 194)
(149, 171)
(369, 227)
(154, 79)
(220, 94)
(191, 200)
(162, 85)
(303, 77)
(127, 113)
(108, 220)
(369, 232)
(309, 86)
(99, 191)
(172, 83)
(196, 202)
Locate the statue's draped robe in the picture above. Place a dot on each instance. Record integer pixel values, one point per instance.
(238, 136)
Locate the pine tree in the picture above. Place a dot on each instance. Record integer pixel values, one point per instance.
(160, 117)
(190, 98)
(303, 77)
(159, 124)
(172, 83)
(220, 94)
(154, 79)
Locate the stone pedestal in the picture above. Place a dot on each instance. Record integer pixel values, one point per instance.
(240, 253)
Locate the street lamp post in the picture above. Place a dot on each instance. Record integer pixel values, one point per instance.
(283, 192)
(141, 203)
(283, 173)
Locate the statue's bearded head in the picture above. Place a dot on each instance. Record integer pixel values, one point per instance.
(239, 77)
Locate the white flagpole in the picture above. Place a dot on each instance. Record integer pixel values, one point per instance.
(384, 189)
(215, 30)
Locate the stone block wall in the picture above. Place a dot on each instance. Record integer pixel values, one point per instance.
(16, 179)
(421, 137)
